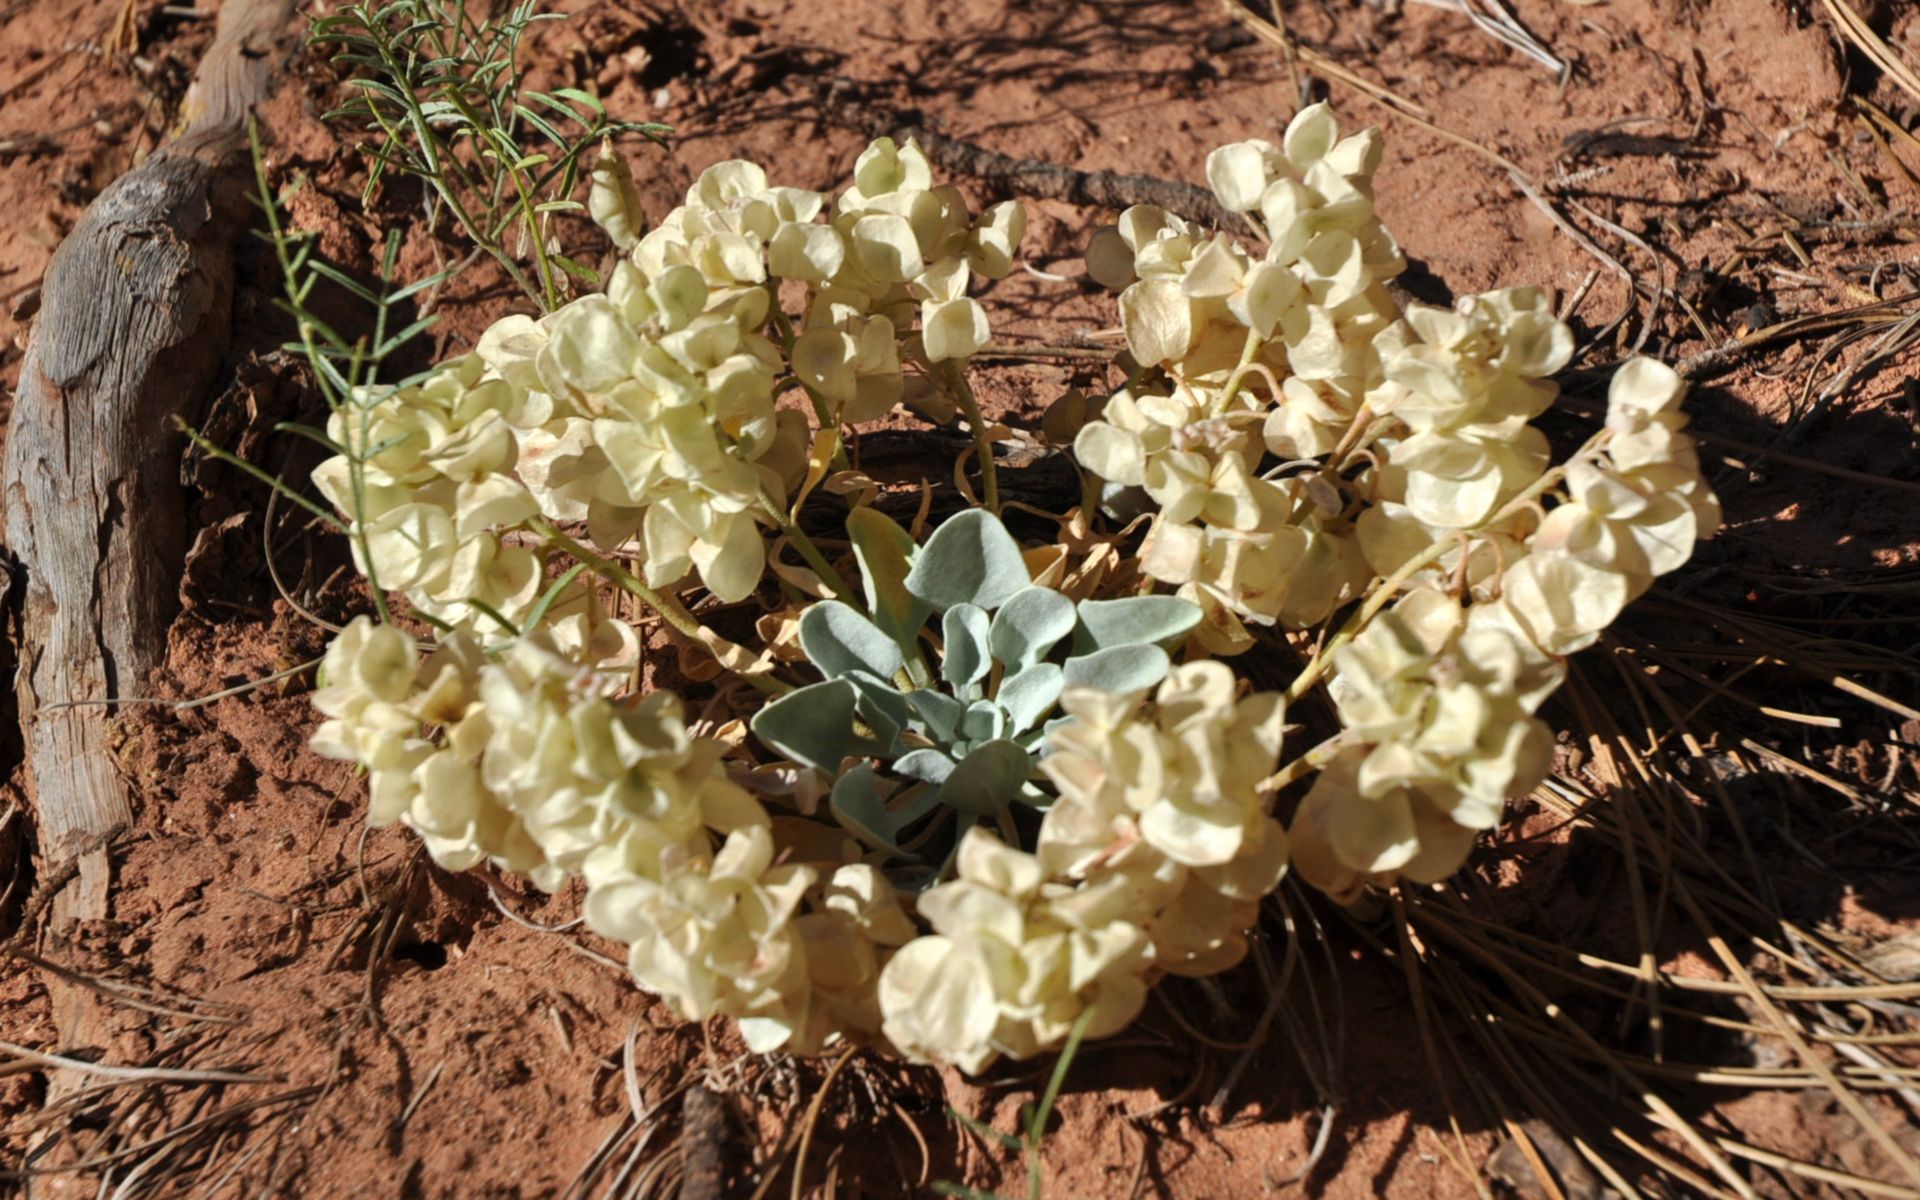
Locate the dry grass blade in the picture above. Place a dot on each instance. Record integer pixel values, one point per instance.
(1637, 797)
(1268, 32)
(1790, 1031)
(1856, 30)
(129, 1074)
(1491, 17)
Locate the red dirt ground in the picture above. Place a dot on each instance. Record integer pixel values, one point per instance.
(476, 1057)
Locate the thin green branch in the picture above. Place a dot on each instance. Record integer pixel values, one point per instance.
(227, 456)
(957, 386)
(811, 553)
(444, 90)
(731, 655)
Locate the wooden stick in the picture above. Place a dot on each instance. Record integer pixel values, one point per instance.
(133, 323)
(1032, 178)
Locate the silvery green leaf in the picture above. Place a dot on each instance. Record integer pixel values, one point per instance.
(1030, 695)
(857, 805)
(926, 765)
(984, 721)
(966, 661)
(970, 559)
(940, 713)
(838, 639)
(987, 779)
(1133, 621)
(883, 707)
(1028, 625)
(886, 554)
(813, 725)
(1119, 669)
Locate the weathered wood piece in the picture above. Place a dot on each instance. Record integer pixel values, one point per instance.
(1029, 178)
(705, 1126)
(133, 323)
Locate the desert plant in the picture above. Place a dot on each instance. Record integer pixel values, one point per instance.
(967, 744)
(1061, 791)
(440, 86)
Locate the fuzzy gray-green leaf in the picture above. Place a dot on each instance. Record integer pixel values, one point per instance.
(1030, 623)
(966, 659)
(984, 721)
(1030, 695)
(813, 725)
(883, 707)
(838, 639)
(1119, 669)
(857, 804)
(926, 765)
(940, 714)
(987, 779)
(970, 559)
(886, 555)
(1133, 621)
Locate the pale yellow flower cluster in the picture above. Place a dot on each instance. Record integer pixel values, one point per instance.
(1408, 464)
(1153, 861)
(1634, 511)
(894, 246)
(1010, 966)
(1463, 386)
(1436, 698)
(648, 411)
(1439, 732)
(734, 932)
(531, 759)
(436, 494)
(1248, 355)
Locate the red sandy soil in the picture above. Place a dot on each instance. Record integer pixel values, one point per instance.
(473, 1056)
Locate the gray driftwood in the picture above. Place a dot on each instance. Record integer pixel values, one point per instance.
(133, 324)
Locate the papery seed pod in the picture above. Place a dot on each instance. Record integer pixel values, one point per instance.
(613, 201)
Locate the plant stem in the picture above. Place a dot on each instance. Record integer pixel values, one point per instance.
(983, 447)
(1305, 765)
(1249, 350)
(438, 161)
(295, 287)
(1037, 1127)
(234, 460)
(811, 553)
(730, 655)
(532, 218)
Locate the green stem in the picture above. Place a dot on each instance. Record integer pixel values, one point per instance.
(532, 219)
(983, 448)
(234, 460)
(811, 553)
(295, 289)
(1037, 1127)
(1249, 350)
(730, 655)
(436, 165)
